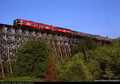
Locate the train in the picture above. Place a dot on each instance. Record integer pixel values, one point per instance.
(41, 26)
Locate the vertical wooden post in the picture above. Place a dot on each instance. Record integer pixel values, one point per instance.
(60, 51)
(2, 29)
(10, 31)
(14, 48)
(10, 61)
(64, 41)
(55, 46)
(69, 49)
(3, 75)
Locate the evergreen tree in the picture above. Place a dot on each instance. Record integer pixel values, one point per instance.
(30, 59)
(106, 36)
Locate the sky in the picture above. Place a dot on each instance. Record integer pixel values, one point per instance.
(100, 17)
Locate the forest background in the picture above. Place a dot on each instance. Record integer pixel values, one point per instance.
(35, 62)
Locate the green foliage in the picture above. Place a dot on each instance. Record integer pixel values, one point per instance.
(84, 46)
(94, 68)
(108, 58)
(106, 36)
(103, 61)
(73, 69)
(30, 59)
(21, 79)
(116, 43)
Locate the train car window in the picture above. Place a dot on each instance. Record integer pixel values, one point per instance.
(54, 28)
(35, 24)
(73, 32)
(60, 29)
(50, 27)
(32, 24)
(24, 22)
(47, 27)
(16, 21)
(28, 23)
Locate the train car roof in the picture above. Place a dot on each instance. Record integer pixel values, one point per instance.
(63, 28)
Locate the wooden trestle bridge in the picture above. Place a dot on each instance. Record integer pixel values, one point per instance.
(12, 37)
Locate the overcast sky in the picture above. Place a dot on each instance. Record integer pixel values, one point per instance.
(101, 17)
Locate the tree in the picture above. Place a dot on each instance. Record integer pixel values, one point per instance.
(106, 36)
(116, 43)
(74, 69)
(84, 46)
(103, 62)
(108, 58)
(94, 68)
(31, 58)
(51, 73)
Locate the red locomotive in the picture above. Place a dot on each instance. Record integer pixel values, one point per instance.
(20, 22)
